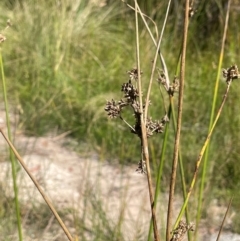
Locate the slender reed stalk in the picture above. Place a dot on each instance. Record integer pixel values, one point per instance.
(184, 189)
(205, 162)
(38, 187)
(179, 124)
(160, 170)
(143, 15)
(13, 164)
(198, 162)
(171, 113)
(152, 37)
(148, 96)
(147, 102)
(144, 141)
(155, 61)
(223, 221)
(182, 174)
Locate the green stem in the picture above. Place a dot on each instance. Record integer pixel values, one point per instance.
(13, 164)
(155, 62)
(198, 162)
(184, 192)
(160, 170)
(205, 162)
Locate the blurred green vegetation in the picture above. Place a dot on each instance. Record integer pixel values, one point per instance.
(64, 59)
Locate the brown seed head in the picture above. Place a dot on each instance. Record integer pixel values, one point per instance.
(231, 73)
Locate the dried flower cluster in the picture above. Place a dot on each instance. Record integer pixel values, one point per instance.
(131, 94)
(231, 73)
(133, 74)
(170, 89)
(182, 228)
(141, 167)
(156, 126)
(131, 99)
(114, 108)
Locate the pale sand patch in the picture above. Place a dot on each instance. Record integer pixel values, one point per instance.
(68, 178)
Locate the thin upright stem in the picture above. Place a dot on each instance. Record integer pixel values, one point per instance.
(179, 124)
(198, 162)
(155, 62)
(205, 162)
(144, 141)
(223, 221)
(13, 164)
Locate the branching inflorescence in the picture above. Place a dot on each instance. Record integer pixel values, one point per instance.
(131, 99)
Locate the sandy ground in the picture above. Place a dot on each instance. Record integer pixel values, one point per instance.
(66, 177)
(69, 179)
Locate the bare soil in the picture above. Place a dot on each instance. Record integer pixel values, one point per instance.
(70, 179)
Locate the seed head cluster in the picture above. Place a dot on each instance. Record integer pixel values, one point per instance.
(130, 100)
(171, 89)
(231, 73)
(131, 94)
